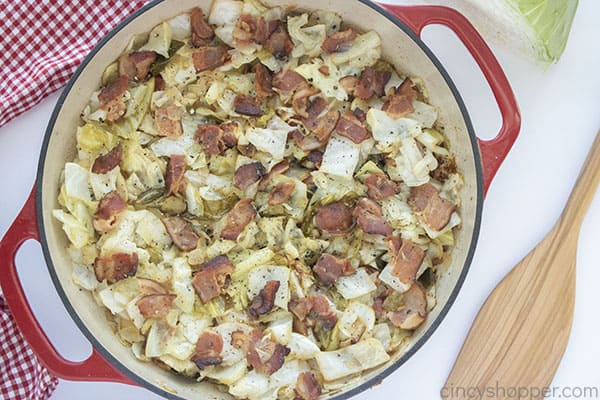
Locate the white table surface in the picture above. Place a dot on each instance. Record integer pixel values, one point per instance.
(561, 114)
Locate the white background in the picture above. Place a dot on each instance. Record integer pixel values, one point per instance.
(561, 115)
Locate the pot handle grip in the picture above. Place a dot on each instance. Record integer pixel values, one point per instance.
(95, 368)
(493, 151)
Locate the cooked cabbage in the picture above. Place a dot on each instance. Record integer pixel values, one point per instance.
(307, 40)
(350, 360)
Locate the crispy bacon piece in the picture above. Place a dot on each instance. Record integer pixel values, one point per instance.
(378, 302)
(334, 219)
(300, 99)
(263, 82)
(252, 29)
(324, 69)
(181, 233)
(329, 268)
(287, 81)
(380, 187)
(306, 143)
(174, 178)
(109, 207)
(360, 114)
(277, 169)
(279, 43)
(248, 174)
(168, 121)
(370, 219)
(238, 217)
(111, 98)
(240, 341)
(413, 312)
(350, 126)
(209, 57)
(315, 109)
(216, 138)
(339, 41)
(265, 355)
(315, 157)
(142, 61)
(307, 387)
(247, 105)
(116, 267)
(397, 106)
(446, 167)
(372, 83)
(281, 193)
(208, 350)
(406, 258)
(349, 83)
(325, 125)
(159, 83)
(407, 89)
(155, 305)
(426, 200)
(202, 33)
(313, 312)
(107, 162)
(149, 286)
(213, 278)
(265, 300)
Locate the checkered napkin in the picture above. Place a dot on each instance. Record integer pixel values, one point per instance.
(21, 374)
(43, 41)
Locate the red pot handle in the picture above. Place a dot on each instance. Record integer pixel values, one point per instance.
(493, 151)
(95, 368)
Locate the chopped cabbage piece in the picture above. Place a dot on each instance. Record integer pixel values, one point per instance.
(302, 347)
(77, 182)
(424, 114)
(228, 375)
(328, 84)
(388, 132)
(258, 277)
(182, 285)
(159, 40)
(366, 354)
(412, 166)
(356, 285)
(357, 320)
(307, 40)
(364, 52)
(341, 157)
(252, 386)
(272, 139)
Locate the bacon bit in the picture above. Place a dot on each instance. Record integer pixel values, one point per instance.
(279, 43)
(369, 217)
(155, 305)
(159, 83)
(349, 83)
(306, 143)
(107, 162)
(109, 207)
(111, 98)
(339, 41)
(324, 69)
(325, 125)
(168, 121)
(175, 179)
(252, 29)
(372, 83)
(281, 193)
(263, 82)
(208, 350)
(414, 311)
(316, 158)
(116, 267)
(247, 105)
(181, 233)
(216, 138)
(238, 217)
(126, 67)
(277, 169)
(240, 341)
(378, 303)
(265, 300)
(149, 286)
(248, 174)
(329, 268)
(315, 110)
(313, 312)
(380, 187)
(141, 61)
(446, 167)
(265, 355)
(351, 127)
(287, 81)
(436, 211)
(334, 219)
(202, 33)
(300, 99)
(407, 89)
(213, 278)
(307, 387)
(209, 57)
(406, 258)
(360, 114)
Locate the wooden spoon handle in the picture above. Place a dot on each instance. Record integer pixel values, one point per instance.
(584, 190)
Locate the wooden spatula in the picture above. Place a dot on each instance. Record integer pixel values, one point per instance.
(521, 332)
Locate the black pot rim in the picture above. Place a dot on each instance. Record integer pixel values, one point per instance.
(342, 396)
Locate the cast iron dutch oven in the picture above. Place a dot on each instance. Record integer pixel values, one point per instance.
(399, 27)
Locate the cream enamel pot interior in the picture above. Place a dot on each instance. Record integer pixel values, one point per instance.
(399, 28)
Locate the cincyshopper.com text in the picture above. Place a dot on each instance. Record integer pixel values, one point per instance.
(520, 392)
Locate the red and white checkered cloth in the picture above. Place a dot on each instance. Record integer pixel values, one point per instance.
(21, 374)
(41, 44)
(43, 41)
